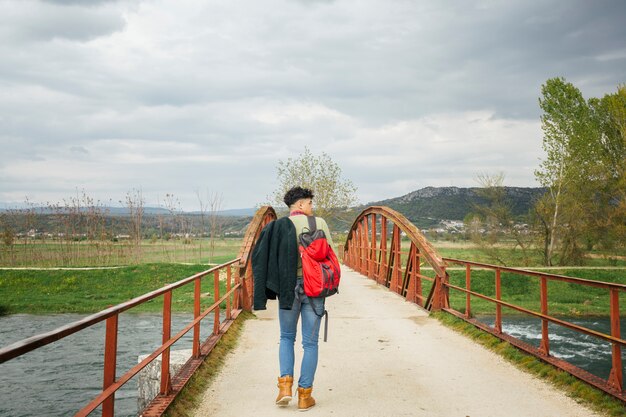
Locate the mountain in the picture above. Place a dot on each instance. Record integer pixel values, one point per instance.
(428, 206)
(425, 208)
(124, 211)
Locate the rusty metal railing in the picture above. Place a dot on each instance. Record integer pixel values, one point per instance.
(366, 251)
(170, 386)
(238, 296)
(370, 250)
(613, 385)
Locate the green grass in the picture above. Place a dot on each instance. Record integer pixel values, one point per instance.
(192, 394)
(89, 291)
(513, 257)
(573, 387)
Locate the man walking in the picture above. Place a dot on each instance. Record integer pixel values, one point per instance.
(277, 272)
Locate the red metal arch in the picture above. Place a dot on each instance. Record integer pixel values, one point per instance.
(262, 217)
(366, 251)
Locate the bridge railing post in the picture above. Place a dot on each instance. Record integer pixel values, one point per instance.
(228, 287)
(382, 270)
(363, 246)
(615, 378)
(196, 314)
(545, 340)
(498, 323)
(440, 297)
(418, 278)
(167, 333)
(216, 297)
(372, 251)
(237, 292)
(468, 287)
(110, 364)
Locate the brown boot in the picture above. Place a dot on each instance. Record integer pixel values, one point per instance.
(284, 390)
(305, 401)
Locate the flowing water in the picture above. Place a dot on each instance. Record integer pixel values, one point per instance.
(586, 352)
(62, 377)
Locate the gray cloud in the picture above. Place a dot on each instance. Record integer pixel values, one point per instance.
(79, 150)
(75, 21)
(168, 95)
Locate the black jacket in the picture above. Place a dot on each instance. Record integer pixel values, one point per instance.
(275, 264)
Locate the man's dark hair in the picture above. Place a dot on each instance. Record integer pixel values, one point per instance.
(295, 194)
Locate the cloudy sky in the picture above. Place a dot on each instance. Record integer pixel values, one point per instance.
(179, 96)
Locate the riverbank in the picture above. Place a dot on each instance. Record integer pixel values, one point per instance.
(36, 291)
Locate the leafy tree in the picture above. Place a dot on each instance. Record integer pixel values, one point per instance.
(319, 173)
(564, 122)
(610, 116)
(583, 171)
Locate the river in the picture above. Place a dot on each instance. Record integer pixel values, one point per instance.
(60, 378)
(586, 352)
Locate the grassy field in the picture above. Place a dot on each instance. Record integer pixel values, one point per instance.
(89, 291)
(79, 254)
(515, 257)
(56, 291)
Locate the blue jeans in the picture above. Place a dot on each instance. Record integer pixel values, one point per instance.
(311, 311)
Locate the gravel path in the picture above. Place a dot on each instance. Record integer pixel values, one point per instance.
(384, 357)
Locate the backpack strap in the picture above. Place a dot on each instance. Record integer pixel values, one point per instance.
(312, 223)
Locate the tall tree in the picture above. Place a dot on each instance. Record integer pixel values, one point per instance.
(584, 170)
(564, 123)
(319, 173)
(613, 158)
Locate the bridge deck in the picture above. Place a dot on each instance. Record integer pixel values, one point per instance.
(384, 357)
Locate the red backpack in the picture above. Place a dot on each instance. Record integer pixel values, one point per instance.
(320, 267)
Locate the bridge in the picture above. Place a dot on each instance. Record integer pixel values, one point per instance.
(385, 355)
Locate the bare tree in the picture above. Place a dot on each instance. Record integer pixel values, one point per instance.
(135, 204)
(203, 210)
(497, 220)
(215, 221)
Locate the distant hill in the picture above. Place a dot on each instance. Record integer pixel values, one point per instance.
(123, 211)
(425, 208)
(428, 206)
